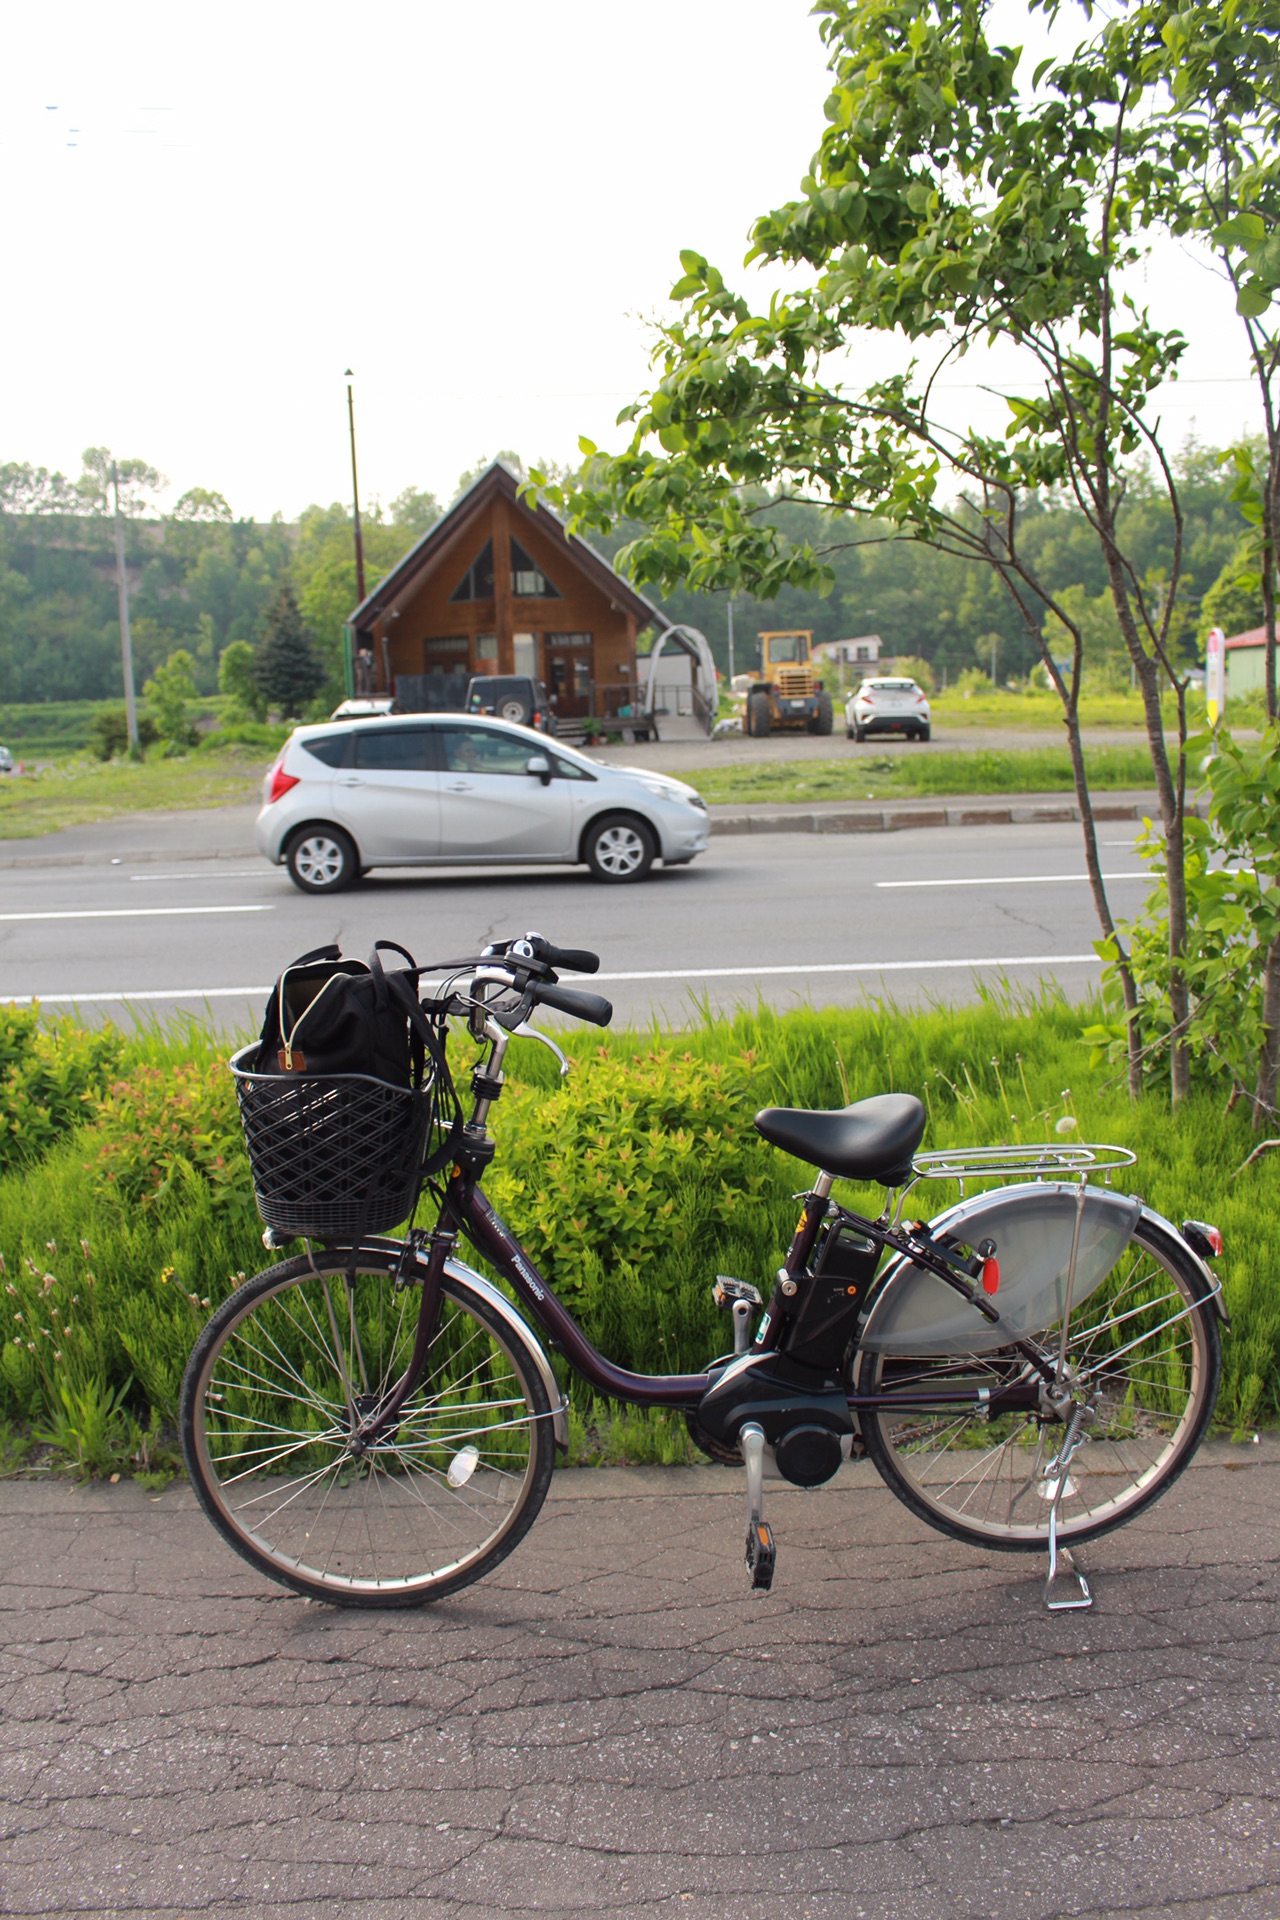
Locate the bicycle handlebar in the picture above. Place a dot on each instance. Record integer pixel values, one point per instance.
(583, 1006)
(534, 947)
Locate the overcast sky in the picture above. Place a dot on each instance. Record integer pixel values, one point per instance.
(212, 211)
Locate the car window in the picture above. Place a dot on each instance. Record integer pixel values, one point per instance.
(480, 750)
(332, 749)
(394, 750)
(568, 769)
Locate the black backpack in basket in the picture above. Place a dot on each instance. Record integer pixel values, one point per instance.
(330, 1015)
(341, 1096)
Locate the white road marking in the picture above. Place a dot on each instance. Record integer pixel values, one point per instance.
(235, 873)
(132, 913)
(848, 966)
(657, 973)
(104, 999)
(1013, 880)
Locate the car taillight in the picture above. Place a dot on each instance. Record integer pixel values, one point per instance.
(921, 701)
(280, 783)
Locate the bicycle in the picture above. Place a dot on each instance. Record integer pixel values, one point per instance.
(374, 1422)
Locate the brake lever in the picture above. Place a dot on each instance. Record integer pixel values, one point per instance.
(525, 1032)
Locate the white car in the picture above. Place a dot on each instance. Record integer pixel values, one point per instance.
(461, 790)
(887, 706)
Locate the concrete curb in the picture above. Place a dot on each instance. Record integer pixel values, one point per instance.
(1017, 810)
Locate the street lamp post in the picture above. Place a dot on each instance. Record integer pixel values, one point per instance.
(122, 596)
(355, 492)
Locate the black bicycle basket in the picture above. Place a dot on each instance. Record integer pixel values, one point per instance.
(334, 1156)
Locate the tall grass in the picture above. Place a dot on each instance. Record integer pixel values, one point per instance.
(865, 773)
(113, 1318)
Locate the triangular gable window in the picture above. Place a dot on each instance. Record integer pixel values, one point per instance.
(529, 582)
(477, 582)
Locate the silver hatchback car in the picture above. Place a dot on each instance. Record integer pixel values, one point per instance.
(462, 790)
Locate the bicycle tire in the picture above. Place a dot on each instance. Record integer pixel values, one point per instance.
(265, 1417)
(982, 1480)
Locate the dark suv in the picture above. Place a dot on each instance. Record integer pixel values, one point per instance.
(511, 696)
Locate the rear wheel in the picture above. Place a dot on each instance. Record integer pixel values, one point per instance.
(517, 711)
(618, 850)
(922, 733)
(1144, 1353)
(322, 860)
(859, 733)
(277, 1382)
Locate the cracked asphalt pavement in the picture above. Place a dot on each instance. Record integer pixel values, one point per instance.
(612, 1724)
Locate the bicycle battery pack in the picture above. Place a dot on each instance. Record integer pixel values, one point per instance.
(832, 1298)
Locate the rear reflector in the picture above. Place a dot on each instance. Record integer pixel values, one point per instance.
(280, 783)
(1202, 1238)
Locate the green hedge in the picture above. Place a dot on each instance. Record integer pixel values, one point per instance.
(125, 1208)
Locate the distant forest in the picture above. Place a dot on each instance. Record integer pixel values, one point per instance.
(200, 578)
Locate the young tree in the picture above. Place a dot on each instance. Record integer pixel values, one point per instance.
(287, 671)
(168, 691)
(954, 206)
(238, 679)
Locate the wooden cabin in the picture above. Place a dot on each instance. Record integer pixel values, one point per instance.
(498, 586)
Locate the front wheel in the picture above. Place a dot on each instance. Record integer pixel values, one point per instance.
(618, 850)
(1144, 1352)
(322, 860)
(824, 715)
(281, 1377)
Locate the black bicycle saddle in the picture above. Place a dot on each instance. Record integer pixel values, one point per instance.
(871, 1140)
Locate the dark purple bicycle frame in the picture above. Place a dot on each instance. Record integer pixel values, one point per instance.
(496, 1241)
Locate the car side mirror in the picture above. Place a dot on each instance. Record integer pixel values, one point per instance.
(538, 763)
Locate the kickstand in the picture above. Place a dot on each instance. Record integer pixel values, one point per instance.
(761, 1554)
(1060, 1596)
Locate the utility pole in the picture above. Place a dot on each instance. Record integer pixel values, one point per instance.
(730, 639)
(355, 492)
(126, 643)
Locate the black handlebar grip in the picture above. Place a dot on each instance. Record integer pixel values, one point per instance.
(583, 1006)
(575, 959)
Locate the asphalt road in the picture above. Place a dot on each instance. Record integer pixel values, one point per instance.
(612, 1724)
(827, 918)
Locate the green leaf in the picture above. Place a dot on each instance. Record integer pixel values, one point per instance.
(1253, 299)
(1242, 230)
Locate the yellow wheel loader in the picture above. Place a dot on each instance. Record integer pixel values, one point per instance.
(789, 693)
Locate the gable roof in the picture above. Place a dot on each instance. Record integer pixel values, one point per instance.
(497, 478)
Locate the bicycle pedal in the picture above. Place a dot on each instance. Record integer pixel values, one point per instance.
(762, 1555)
(726, 1290)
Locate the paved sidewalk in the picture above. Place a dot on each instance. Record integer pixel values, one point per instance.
(613, 1725)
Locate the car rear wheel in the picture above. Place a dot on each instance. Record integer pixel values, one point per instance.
(322, 860)
(922, 733)
(859, 733)
(618, 850)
